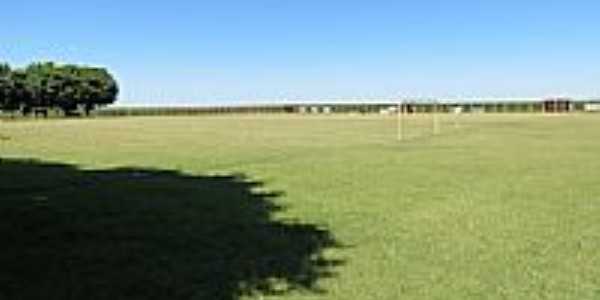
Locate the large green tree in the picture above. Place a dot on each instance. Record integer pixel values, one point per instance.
(47, 85)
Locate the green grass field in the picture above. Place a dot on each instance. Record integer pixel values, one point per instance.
(500, 207)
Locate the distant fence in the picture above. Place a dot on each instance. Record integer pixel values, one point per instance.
(183, 111)
(383, 108)
(550, 106)
(269, 109)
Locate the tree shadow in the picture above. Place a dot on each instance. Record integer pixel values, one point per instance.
(149, 234)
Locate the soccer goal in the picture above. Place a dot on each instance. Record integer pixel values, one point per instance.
(422, 118)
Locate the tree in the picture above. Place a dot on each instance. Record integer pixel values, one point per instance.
(47, 85)
(40, 84)
(95, 87)
(5, 84)
(20, 94)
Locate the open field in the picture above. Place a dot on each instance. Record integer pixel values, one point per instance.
(498, 207)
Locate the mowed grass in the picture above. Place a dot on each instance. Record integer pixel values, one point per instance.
(494, 207)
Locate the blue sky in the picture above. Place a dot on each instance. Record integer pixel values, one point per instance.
(207, 52)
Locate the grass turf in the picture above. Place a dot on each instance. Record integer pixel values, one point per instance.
(498, 207)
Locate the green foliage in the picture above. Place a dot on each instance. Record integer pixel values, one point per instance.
(4, 83)
(47, 85)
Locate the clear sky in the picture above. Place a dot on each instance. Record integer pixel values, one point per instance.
(206, 52)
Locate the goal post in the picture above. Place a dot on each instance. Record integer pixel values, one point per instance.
(436, 118)
(418, 118)
(400, 121)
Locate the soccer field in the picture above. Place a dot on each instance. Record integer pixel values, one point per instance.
(301, 207)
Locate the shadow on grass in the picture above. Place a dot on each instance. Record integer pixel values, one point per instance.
(148, 234)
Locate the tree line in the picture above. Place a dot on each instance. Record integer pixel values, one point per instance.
(43, 86)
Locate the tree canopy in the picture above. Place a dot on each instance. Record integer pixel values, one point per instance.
(48, 85)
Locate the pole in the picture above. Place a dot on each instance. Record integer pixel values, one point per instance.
(458, 110)
(436, 121)
(400, 127)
